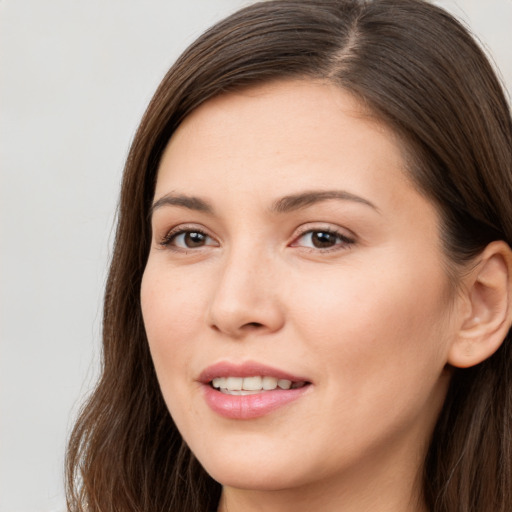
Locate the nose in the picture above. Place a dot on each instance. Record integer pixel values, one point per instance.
(246, 297)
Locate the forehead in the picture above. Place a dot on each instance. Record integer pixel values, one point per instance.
(285, 135)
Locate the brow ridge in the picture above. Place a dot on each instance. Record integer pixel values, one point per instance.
(305, 199)
(183, 201)
(282, 205)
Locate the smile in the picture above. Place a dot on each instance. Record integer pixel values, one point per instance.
(250, 390)
(253, 385)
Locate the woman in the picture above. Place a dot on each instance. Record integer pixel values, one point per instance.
(309, 300)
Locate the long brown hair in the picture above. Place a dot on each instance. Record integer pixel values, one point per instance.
(419, 71)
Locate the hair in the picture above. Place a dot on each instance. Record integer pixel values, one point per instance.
(417, 70)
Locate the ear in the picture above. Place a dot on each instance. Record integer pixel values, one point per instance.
(487, 315)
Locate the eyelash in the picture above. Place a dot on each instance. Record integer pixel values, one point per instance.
(170, 237)
(342, 241)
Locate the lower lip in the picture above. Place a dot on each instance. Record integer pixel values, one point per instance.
(246, 407)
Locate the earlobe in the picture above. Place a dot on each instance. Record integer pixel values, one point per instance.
(487, 319)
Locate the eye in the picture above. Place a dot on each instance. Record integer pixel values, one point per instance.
(322, 239)
(188, 239)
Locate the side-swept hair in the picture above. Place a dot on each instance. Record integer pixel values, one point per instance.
(420, 72)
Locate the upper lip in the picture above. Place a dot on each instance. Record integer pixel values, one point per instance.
(246, 369)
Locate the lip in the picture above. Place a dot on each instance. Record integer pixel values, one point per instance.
(245, 407)
(247, 369)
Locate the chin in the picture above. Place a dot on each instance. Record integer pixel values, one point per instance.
(248, 477)
(260, 466)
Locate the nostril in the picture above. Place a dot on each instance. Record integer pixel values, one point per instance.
(253, 325)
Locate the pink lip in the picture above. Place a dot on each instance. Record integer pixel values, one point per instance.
(244, 407)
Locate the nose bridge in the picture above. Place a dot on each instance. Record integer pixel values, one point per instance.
(246, 296)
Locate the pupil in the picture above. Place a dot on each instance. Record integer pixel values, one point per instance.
(322, 239)
(193, 239)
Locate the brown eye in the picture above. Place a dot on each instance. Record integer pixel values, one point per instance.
(194, 239)
(189, 239)
(322, 239)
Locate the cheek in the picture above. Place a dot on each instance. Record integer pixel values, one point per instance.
(171, 301)
(172, 313)
(386, 327)
(381, 347)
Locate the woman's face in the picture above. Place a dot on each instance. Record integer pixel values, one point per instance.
(291, 249)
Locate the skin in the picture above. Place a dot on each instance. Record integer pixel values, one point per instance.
(369, 319)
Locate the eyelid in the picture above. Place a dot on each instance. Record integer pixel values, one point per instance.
(346, 237)
(165, 241)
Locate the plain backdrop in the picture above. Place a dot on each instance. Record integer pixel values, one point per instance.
(75, 78)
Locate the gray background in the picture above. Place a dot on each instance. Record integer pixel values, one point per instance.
(75, 78)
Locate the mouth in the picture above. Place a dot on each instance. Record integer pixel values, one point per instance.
(253, 385)
(250, 390)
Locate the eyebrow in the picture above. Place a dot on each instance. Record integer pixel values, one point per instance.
(183, 201)
(282, 205)
(305, 199)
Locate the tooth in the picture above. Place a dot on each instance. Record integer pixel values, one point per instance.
(241, 385)
(284, 384)
(234, 383)
(238, 392)
(252, 383)
(269, 383)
